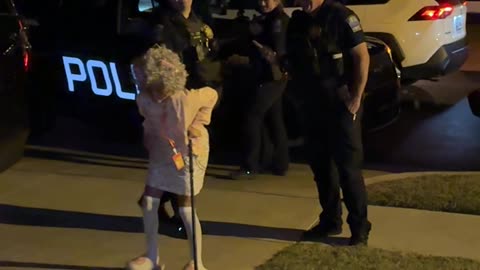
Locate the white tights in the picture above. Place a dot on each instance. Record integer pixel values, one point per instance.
(150, 225)
(186, 214)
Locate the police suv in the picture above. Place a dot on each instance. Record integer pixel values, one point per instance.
(14, 64)
(80, 66)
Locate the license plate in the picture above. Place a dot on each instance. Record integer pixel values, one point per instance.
(458, 24)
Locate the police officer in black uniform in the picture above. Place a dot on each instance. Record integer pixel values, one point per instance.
(178, 27)
(265, 107)
(329, 59)
(175, 25)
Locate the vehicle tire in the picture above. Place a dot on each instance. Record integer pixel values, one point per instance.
(474, 102)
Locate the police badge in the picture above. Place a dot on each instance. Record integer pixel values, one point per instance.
(207, 31)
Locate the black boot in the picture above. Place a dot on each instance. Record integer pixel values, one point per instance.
(360, 238)
(242, 175)
(322, 230)
(163, 216)
(177, 221)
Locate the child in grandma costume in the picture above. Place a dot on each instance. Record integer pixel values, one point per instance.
(172, 115)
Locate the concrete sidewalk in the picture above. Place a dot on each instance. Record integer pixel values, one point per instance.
(83, 215)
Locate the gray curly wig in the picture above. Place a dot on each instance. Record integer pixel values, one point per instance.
(159, 70)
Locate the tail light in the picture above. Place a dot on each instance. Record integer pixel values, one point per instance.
(26, 60)
(26, 53)
(432, 13)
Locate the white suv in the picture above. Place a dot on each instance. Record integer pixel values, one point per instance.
(427, 37)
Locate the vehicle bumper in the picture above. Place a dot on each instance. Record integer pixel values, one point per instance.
(447, 59)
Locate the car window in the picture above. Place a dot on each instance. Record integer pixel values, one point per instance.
(364, 2)
(146, 5)
(253, 4)
(242, 4)
(201, 8)
(4, 7)
(88, 17)
(39, 10)
(249, 4)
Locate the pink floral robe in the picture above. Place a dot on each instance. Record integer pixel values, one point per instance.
(171, 119)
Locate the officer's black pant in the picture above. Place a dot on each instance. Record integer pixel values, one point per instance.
(167, 196)
(265, 116)
(334, 147)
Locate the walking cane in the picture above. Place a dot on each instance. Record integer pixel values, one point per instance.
(192, 198)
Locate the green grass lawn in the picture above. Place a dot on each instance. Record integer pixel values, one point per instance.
(321, 257)
(447, 193)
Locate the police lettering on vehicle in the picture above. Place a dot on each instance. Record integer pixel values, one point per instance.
(86, 71)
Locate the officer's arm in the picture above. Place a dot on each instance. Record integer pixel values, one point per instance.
(355, 43)
(361, 62)
(158, 34)
(279, 32)
(162, 34)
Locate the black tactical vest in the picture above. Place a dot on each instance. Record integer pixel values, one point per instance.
(324, 40)
(276, 20)
(198, 38)
(189, 38)
(314, 42)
